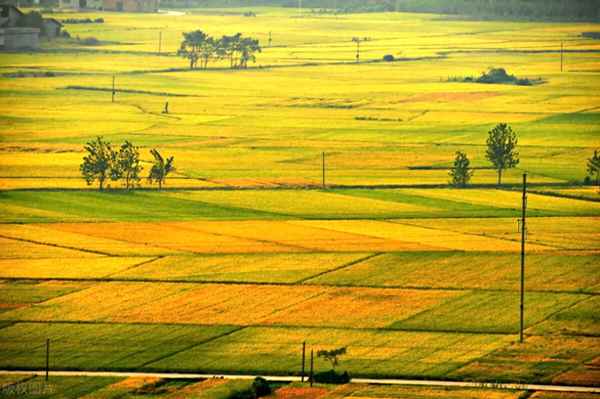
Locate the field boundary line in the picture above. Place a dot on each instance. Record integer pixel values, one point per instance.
(108, 276)
(495, 237)
(187, 348)
(338, 268)
(547, 318)
(286, 284)
(91, 251)
(513, 386)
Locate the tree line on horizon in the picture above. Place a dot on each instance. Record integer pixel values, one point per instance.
(559, 10)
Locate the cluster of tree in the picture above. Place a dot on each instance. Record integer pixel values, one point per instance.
(82, 21)
(200, 48)
(332, 376)
(103, 163)
(497, 76)
(501, 152)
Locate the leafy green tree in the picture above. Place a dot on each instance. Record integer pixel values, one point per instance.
(98, 164)
(248, 48)
(501, 148)
(461, 172)
(332, 356)
(207, 51)
(191, 46)
(160, 168)
(593, 167)
(228, 48)
(128, 161)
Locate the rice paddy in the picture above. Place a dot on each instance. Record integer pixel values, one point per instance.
(251, 249)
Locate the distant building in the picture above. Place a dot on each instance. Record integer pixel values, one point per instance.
(19, 38)
(13, 37)
(9, 16)
(80, 4)
(52, 28)
(130, 5)
(72, 4)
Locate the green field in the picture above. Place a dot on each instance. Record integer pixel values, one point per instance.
(245, 254)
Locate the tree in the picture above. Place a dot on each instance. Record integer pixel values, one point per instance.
(128, 161)
(228, 47)
(208, 50)
(98, 164)
(460, 173)
(248, 47)
(593, 167)
(332, 355)
(501, 148)
(160, 169)
(191, 46)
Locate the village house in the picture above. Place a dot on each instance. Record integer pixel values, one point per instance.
(131, 5)
(52, 28)
(13, 37)
(9, 15)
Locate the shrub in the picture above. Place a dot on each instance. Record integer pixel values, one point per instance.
(261, 387)
(90, 41)
(496, 75)
(388, 58)
(332, 377)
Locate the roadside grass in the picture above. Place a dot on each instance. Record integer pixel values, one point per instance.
(277, 350)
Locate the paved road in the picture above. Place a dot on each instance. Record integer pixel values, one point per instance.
(429, 383)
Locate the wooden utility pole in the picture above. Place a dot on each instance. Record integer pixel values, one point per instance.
(323, 170)
(159, 42)
(311, 367)
(523, 234)
(303, 361)
(113, 89)
(561, 56)
(47, 357)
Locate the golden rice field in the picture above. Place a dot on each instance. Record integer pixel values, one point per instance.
(245, 254)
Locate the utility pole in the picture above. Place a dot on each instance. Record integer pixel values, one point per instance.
(523, 234)
(303, 360)
(113, 89)
(323, 171)
(561, 56)
(358, 40)
(311, 367)
(270, 38)
(159, 42)
(47, 357)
